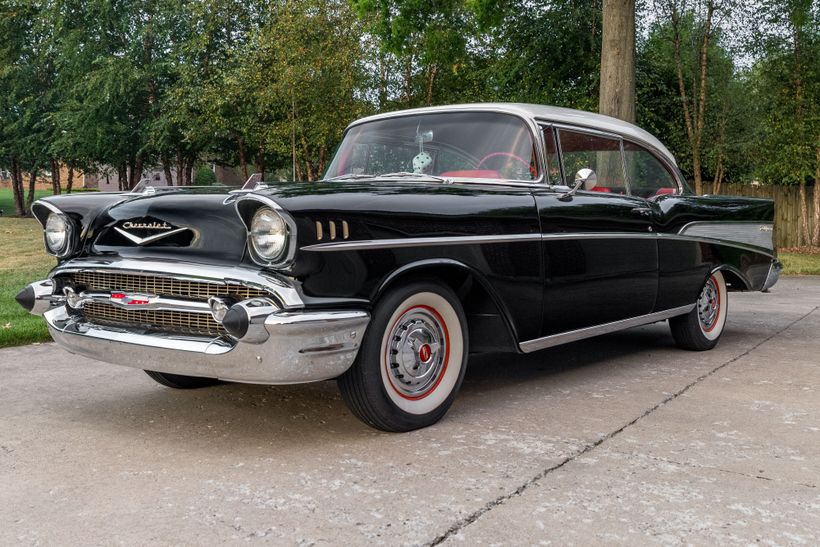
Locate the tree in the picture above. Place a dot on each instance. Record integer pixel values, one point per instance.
(692, 73)
(787, 90)
(617, 89)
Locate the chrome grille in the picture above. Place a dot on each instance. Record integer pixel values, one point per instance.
(163, 286)
(165, 320)
(183, 322)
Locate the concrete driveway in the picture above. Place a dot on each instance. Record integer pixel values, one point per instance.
(620, 439)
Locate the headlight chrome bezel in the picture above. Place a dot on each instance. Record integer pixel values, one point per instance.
(249, 207)
(67, 247)
(267, 223)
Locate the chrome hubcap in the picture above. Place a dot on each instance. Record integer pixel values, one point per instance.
(708, 305)
(416, 352)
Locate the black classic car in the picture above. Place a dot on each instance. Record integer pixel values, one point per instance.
(435, 233)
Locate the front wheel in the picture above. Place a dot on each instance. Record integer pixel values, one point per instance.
(412, 359)
(700, 329)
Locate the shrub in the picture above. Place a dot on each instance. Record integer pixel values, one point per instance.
(204, 177)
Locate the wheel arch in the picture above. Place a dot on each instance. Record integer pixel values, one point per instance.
(735, 280)
(483, 307)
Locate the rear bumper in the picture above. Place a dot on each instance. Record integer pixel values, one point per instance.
(774, 274)
(303, 346)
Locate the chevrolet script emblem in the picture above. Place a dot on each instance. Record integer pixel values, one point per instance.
(165, 230)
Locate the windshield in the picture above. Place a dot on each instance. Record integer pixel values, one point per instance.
(475, 145)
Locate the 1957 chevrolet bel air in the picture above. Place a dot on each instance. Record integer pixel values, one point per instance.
(435, 233)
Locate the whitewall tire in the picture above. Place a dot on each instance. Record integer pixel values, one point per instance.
(412, 360)
(701, 328)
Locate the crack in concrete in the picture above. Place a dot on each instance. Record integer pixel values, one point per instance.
(500, 500)
(709, 468)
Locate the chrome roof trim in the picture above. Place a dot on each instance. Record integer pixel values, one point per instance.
(536, 112)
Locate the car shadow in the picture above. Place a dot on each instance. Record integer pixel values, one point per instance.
(230, 415)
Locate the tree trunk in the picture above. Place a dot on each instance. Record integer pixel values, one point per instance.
(718, 176)
(431, 79)
(189, 171)
(243, 160)
(17, 187)
(382, 80)
(139, 167)
(803, 237)
(259, 164)
(56, 185)
(180, 167)
(122, 177)
(617, 93)
(408, 78)
(694, 117)
(308, 164)
(70, 182)
(166, 167)
(132, 168)
(815, 238)
(32, 180)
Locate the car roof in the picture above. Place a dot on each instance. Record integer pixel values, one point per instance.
(537, 112)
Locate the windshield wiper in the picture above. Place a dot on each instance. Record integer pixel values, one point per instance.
(407, 174)
(350, 176)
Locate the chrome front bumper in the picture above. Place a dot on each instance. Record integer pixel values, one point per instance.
(284, 343)
(302, 347)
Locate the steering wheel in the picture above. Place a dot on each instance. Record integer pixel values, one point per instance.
(509, 155)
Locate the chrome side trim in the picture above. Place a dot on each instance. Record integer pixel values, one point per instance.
(302, 347)
(420, 242)
(284, 288)
(597, 330)
(754, 233)
(369, 244)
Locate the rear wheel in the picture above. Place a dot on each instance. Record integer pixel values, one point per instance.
(178, 381)
(412, 359)
(700, 329)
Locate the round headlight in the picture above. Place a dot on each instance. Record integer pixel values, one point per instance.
(269, 234)
(58, 231)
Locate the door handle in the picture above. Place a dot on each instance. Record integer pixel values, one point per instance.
(642, 211)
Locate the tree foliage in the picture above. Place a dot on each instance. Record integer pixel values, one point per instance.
(269, 86)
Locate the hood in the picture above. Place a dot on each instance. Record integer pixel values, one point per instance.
(187, 225)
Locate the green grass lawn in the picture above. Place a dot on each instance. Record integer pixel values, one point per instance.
(7, 200)
(22, 260)
(800, 264)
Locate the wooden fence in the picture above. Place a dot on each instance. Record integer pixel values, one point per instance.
(787, 207)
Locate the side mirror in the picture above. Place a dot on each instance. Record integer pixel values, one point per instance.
(584, 178)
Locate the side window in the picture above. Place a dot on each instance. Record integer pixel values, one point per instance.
(601, 154)
(648, 177)
(553, 170)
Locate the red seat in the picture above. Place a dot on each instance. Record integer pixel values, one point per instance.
(473, 174)
(601, 189)
(664, 191)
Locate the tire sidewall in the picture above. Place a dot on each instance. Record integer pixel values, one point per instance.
(723, 308)
(411, 414)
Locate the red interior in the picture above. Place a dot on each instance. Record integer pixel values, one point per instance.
(473, 173)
